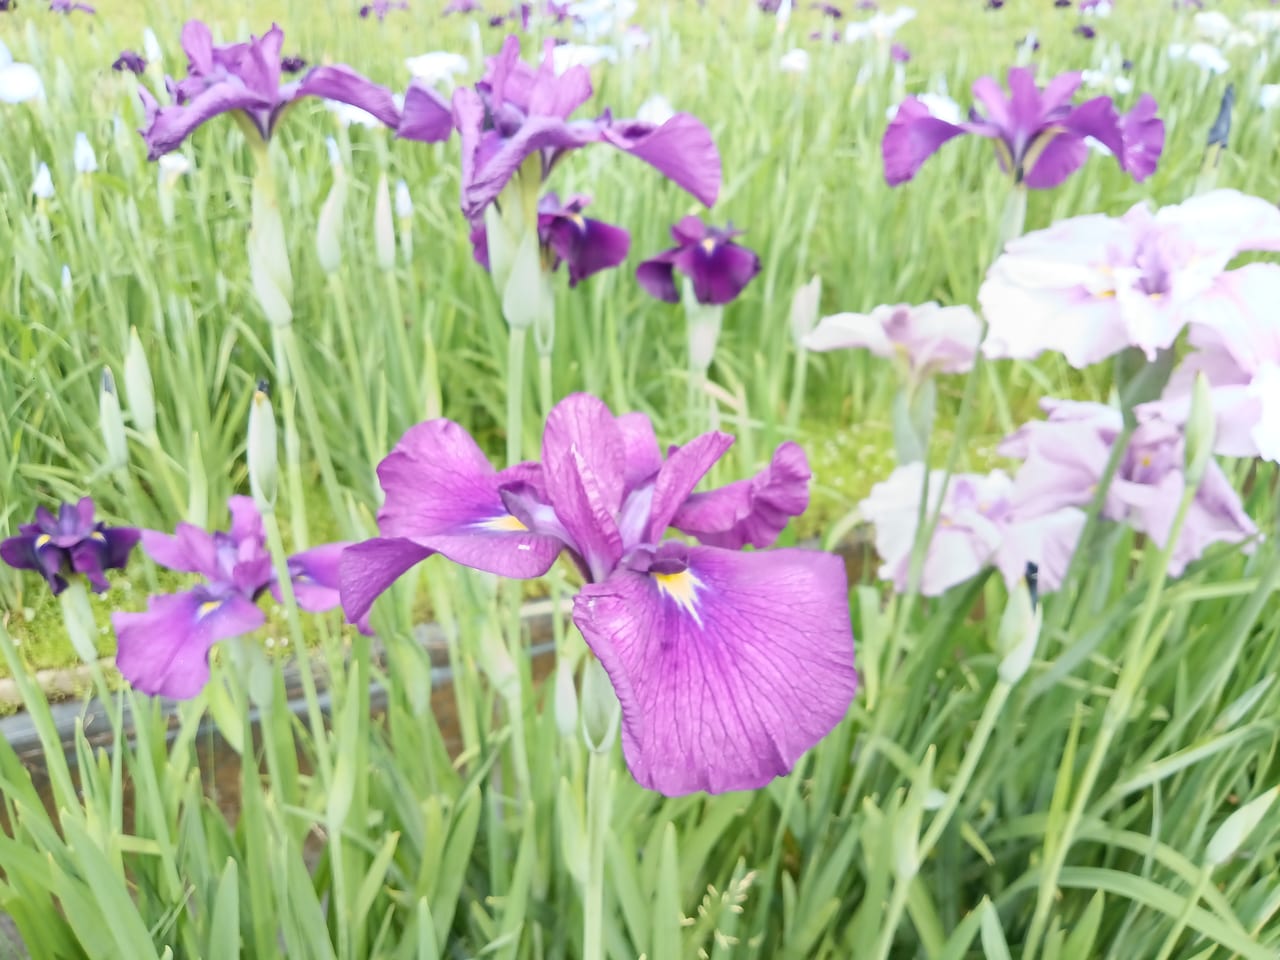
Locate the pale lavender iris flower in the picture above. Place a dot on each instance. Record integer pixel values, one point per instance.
(1091, 286)
(718, 269)
(516, 112)
(245, 78)
(728, 665)
(70, 542)
(924, 340)
(164, 650)
(1040, 136)
(1065, 456)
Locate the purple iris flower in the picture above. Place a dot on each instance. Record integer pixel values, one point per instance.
(164, 651)
(1039, 135)
(828, 10)
(899, 54)
(8, 6)
(516, 112)
(1085, 31)
(586, 246)
(728, 665)
(718, 268)
(461, 6)
(245, 77)
(69, 543)
(380, 8)
(69, 6)
(129, 60)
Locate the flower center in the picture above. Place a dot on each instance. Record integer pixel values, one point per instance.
(682, 587)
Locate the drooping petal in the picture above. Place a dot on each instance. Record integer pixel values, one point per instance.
(443, 494)
(101, 551)
(657, 276)
(728, 671)
(189, 550)
(171, 125)
(164, 651)
(719, 270)
(368, 569)
(681, 149)
(486, 180)
(1048, 541)
(586, 246)
(641, 453)
(912, 137)
(1143, 135)
(426, 116)
(345, 85)
(33, 551)
(750, 511)
(1059, 158)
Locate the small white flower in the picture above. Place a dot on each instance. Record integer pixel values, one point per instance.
(881, 26)
(173, 166)
(437, 67)
(1264, 21)
(794, 61)
(635, 39)
(42, 186)
(335, 155)
(86, 160)
(1212, 24)
(66, 278)
(939, 105)
(657, 110)
(1100, 10)
(404, 202)
(1204, 55)
(568, 55)
(151, 47)
(348, 115)
(1107, 81)
(599, 18)
(18, 81)
(1269, 96)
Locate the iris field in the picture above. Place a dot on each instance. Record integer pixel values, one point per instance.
(888, 488)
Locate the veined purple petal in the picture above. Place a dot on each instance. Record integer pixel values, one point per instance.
(165, 650)
(1057, 160)
(642, 455)
(426, 117)
(683, 470)
(103, 550)
(657, 276)
(1097, 118)
(584, 462)
(345, 85)
(443, 494)
(727, 671)
(586, 246)
(367, 570)
(188, 550)
(681, 149)
(912, 137)
(197, 44)
(34, 551)
(751, 511)
(535, 134)
(719, 271)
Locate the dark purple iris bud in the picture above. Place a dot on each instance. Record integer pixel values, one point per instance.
(1062, 3)
(498, 21)
(1029, 40)
(868, 5)
(245, 77)
(165, 649)
(994, 4)
(718, 268)
(462, 6)
(293, 64)
(1086, 31)
(1126, 65)
(769, 6)
(1220, 132)
(899, 54)
(7, 6)
(70, 543)
(828, 10)
(69, 6)
(131, 61)
(1039, 134)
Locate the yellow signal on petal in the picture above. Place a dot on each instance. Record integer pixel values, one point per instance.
(507, 524)
(683, 588)
(207, 608)
(42, 540)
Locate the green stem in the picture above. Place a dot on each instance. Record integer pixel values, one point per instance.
(292, 442)
(795, 404)
(1135, 660)
(315, 717)
(515, 393)
(314, 427)
(359, 382)
(398, 321)
(599, 800)
(546, 393)
(1171, 941)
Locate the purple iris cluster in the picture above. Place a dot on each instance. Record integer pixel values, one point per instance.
(1040, 135)
(728, 664)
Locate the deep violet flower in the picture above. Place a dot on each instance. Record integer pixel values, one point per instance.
(164, 651)
(899, 54)
(69, 6)
(717, 267)
(1039, 135)
(1085, 31)
(129, 60)
(828, 10)
(728, 665)
(585, 246)
(245, 78)
(293, 64)
(461, 6)
(516, 112)
(71, 542)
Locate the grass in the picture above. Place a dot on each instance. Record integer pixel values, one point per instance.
(954, 814)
